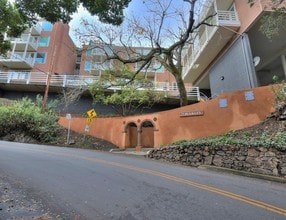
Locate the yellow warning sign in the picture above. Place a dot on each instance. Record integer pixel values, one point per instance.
(88, 121)
(91, 113)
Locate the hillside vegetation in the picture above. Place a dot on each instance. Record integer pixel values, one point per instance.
(24, 118)
(23, 121)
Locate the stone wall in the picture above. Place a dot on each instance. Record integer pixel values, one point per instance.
(257, 160)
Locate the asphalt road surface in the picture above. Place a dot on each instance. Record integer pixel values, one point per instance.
(66, 183)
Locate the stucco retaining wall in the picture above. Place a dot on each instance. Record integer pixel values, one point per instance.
(232, 111)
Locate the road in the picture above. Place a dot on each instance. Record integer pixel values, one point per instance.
(84, 184)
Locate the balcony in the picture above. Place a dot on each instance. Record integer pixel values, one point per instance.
(34, 30)
(26, 42)
(31, 81)
(208, 41)
(19, 60)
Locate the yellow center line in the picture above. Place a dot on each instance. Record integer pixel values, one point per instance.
(215, 190)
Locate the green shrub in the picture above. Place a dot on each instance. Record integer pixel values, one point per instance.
(277, 140)
(26, 117)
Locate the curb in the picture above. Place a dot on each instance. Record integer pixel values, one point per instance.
(244, 173)
(142, 152)
(116, 150)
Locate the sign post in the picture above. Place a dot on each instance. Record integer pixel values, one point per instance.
(68, 117)
(91, 114)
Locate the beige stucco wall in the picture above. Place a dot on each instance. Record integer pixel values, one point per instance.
(170, 127)
(247, 15)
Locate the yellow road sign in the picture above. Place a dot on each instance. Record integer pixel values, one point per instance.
(88, 121)
(91, 113)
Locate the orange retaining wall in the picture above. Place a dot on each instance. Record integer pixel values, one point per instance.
(169, 126)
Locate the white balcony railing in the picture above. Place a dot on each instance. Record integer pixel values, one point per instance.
(37, 27)
(40, 78)
(28, 58)
(173, 90)
(227, 18)
(204, 34)
(25, 39)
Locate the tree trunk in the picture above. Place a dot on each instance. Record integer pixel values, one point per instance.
(182, 91)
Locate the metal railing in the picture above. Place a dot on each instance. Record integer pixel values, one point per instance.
(37, 27)
(28, 57)
(229, 16)
(25, 39)
(222, 18)
(40, 78)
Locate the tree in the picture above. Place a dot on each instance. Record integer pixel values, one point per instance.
(166, 29)
(108, 11)
(272, 23)
(15, 18)
(11, 23)
(126, 98)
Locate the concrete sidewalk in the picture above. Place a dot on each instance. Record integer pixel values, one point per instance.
(132, 151)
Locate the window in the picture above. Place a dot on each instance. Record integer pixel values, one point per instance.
(108, 50)
(97, 59)
(19, 76)
(89, 53)
(102, 66)
(44, 41)
(142, 51)
(158, 67)
(41, 57)
(87, 66)
(47, 26)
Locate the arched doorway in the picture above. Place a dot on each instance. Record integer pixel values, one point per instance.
(147, 128)
(131, 135)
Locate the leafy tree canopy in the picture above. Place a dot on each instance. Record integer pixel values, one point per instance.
(126, 99)
(272, 23)
(14, 19)
(108, 11)
(11, 22)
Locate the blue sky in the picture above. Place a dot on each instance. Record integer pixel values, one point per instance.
(135, 6)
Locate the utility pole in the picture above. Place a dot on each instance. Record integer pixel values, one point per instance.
(51, 70)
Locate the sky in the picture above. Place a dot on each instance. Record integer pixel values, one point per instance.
(135, 6)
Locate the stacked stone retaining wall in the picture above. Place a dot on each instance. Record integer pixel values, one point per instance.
(257, 160)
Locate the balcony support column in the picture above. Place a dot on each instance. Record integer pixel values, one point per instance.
(26, 47)
(283, 60)
(29, 78)
(12, 55)
(139, 139)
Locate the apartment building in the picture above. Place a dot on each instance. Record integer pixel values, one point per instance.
(234, 54)
(43, 49)
(46, 55)
(94, 62)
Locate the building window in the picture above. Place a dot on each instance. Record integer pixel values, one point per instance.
(87, 66)
(158, 67)
(19, 76)
(44, 41)
(47, 26)
(143, 51)
(97, 59)
(89, 52)
(41, 57)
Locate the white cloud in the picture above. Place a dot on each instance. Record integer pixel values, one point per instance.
(75, 23)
